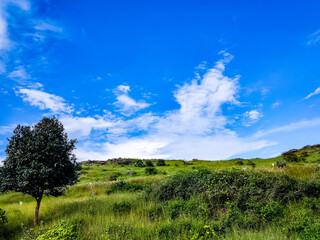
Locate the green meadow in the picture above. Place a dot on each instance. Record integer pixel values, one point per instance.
(176, 199)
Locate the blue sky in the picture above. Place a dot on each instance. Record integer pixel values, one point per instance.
(164, 79)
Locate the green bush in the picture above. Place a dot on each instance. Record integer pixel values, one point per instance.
(154, 212)
(3, 217)
(281, 164)
(126, 186)
(290, 157)
(62, 231)
(161, 163)
(114, 176)
(139, 163)
(248, 199)
(175, 208)
(122, 207)
(240, 162)
(272, 211)
(149, 163)
(151, 171)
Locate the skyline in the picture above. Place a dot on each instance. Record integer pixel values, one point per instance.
(176, 80)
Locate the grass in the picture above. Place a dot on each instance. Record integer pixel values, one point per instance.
(101, 216)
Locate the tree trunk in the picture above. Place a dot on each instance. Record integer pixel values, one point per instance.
(36, 213)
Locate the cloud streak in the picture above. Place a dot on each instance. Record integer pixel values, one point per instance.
(314, 38)
(290, 127)
(316, 92)
(44, 100)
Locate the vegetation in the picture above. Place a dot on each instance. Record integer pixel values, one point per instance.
(194, 200)
(39, 161)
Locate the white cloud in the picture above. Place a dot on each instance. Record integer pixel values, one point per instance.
(290, 127)
(20, 74)
(253, 115)
(314, 38)
(44, 100)
(4, 37)
(7, 129)
(316, 92)
(276, 104)
(195, 130)
(48, 26)
(79, 127)
(125, 103)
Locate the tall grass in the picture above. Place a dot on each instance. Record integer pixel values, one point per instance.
(190, 213)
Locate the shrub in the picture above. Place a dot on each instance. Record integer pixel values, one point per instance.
(252, 164)
(151, 171)
(154, 212)
(64, 231)
(311, 232)
(281, 164)
(126, 186)
(290, 157)
(114, 176)
(240, 162)
(149, 163)
(161, 163)
(175, 208)
(139, 163)
(248, 191)
(3, 217)
(122, 207)
(272, 211)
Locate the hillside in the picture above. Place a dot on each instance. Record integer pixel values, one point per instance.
(157, 199)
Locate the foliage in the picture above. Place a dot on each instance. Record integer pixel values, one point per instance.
(3, 217)
(114, 176)
(151, 171)
(281, 164)
(126, 186)
(161, 163)
(62, 231)
(149, 163)
(39, 161)
(290, 157)
(139, 163)
(122, 207)
(240, 161)
(250, 198)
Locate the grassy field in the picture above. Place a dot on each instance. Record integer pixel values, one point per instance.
(181, 200)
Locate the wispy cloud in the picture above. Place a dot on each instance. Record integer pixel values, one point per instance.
(48, 26)
(314, 38)
(316, 92)
(276, 104)
(7, 129)
(5, 41)
(44, 100)
(20, 75)
(125, 103)
(290, 127)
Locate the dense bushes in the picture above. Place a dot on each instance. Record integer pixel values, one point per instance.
(246, 199)
(121, 207)
(234, 185)
(126, 186)
(62, 231)
(151, 171)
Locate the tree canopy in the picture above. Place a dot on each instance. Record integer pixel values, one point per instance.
(39, 161)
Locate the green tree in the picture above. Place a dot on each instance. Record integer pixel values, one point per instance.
(39, 161)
